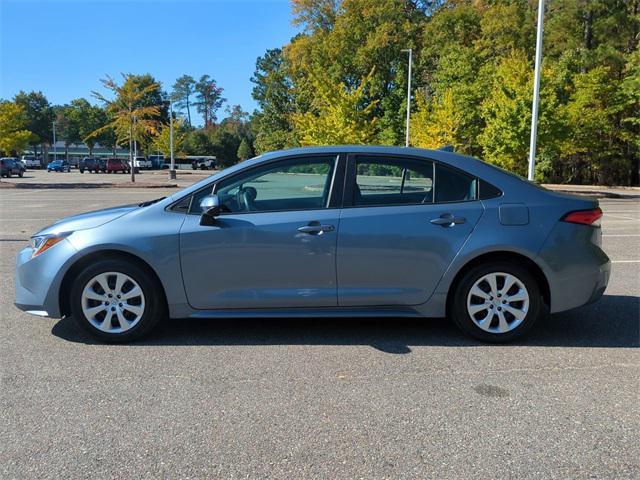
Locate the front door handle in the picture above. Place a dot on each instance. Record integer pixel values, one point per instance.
(447, 220)
(314, 228)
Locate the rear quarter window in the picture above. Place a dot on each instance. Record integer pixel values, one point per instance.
(453, 185)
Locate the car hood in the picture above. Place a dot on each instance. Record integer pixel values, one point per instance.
(87, 220)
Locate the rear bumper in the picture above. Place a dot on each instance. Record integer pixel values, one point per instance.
(577, 269)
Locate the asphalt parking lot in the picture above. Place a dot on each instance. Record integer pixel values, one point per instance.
(318, 398)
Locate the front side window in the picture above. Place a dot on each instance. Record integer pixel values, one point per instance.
(296, 184)
(393, 181)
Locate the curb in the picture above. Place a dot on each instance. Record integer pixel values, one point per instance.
(84, 186)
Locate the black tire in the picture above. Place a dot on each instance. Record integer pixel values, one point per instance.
(82, 171)
(154, 310)
(462, 318)
(20, 174)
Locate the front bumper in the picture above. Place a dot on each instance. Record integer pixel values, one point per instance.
(37, 280)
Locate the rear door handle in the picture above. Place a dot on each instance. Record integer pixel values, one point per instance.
(447, 220)
(314, 228)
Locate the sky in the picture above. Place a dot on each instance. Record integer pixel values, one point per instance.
(64, 48)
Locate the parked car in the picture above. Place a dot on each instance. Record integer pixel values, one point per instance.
(117, 165)
(204, 164)
(11, 166)
(31, 161)
(92, 165)
(142, 163)
(157, 161)
(59, 166)
(323, 232)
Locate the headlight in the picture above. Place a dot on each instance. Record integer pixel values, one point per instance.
(41, 243)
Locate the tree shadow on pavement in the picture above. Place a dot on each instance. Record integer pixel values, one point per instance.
(614, 321)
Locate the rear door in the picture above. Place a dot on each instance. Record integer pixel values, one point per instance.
(404, 221)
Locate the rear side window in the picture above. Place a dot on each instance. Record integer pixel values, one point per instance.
(486, 190)
(393, 181)
(453, 185)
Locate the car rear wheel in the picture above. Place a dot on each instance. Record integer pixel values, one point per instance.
(116, 301)
(496, 302)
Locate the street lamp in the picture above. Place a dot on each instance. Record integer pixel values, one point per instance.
(55, 151)
(536, 92)
(408, 94)
(172, 169)
(135, 140)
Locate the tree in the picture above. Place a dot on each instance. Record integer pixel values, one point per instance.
(129, 107)
(162, 142)
(14, 136)
(39, 115)
(244, 150)
(436, 122)
(339, 115)
(507, 115)
(67, 126)
(273, 92)
(593, 141)
(208, 99)
(183, 89)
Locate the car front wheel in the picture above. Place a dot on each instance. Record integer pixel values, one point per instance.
(116, 301)
(496, 302)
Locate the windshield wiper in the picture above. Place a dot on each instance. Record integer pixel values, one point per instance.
(150, 202)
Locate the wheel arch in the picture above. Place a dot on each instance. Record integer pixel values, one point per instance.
(508, 256)
(82, 262)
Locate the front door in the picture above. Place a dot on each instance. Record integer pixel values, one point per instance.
(407, 220)
(276, 244)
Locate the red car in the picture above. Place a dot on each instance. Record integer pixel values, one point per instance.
(117, 165)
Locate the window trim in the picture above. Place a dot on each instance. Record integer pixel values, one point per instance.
(351, 174)
(335, 187)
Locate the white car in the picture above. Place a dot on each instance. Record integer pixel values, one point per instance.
(30, 161)
(142, 163)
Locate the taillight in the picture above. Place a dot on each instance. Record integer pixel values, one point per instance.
(584, 217)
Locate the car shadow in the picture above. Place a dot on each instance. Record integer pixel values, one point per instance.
(614, 321)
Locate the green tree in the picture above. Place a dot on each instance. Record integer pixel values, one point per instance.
(162, 142)
(40, 116)
(593, 142)
(507, 115)
(244, 150)
(437, 122)
(338, 115)
(273, 92)
(208, 99)
(14, 136)
(183, 89)
(128, 108)
(198, 143)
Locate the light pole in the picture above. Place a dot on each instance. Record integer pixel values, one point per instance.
(135, 141)
(408, 94)
(133, 170)
(536, 92)
(55, 152)
(172, 169)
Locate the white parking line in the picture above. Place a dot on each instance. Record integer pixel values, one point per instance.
(624, 218)
(623, 235)
(625, 261)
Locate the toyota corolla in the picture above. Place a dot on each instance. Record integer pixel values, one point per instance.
(322, 232)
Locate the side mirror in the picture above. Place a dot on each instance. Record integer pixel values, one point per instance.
(210, 207)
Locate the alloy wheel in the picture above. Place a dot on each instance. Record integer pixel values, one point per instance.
(498, 302)
(113, 302)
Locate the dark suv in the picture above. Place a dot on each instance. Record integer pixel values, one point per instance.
(92, 165)
(11, 166)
